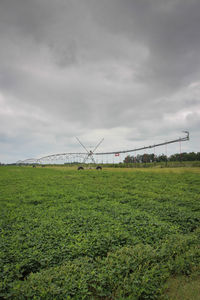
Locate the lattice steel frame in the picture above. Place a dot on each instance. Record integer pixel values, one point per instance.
(90, 154)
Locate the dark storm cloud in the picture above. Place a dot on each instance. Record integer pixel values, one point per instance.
(169, 29)
(93, 68)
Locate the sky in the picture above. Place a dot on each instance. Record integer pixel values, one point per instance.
(125, 70)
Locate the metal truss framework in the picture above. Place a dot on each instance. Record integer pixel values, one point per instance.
(82, 157)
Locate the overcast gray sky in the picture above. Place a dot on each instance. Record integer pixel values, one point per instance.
(125, 70)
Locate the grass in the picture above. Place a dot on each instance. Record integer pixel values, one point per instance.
(111, 234)
(183, 288)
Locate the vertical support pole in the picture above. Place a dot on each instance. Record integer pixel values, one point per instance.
(166, 153)
(135, 159)
(145, 158)
(180, 150)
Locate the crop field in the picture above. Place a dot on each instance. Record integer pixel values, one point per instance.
(110, 234)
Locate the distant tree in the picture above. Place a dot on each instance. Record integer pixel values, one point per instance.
(128, 159)
(146, 158)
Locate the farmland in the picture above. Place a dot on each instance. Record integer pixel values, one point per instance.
(111, 234)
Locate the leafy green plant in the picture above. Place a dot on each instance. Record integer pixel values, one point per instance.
(114, 234)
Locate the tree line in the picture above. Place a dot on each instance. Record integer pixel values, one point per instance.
(147, 158)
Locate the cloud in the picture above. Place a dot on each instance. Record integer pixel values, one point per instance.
(127, 70)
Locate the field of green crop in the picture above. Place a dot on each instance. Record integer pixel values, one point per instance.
(111, 234)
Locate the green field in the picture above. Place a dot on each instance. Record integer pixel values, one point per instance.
(111, 234)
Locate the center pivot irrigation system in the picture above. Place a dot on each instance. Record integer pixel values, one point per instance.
(83, 157)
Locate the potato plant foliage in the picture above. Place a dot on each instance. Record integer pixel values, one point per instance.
(113, 234)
